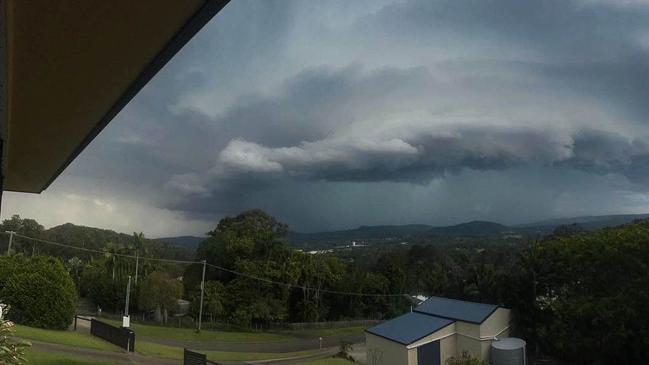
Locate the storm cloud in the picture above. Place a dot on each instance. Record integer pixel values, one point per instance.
(337, 113)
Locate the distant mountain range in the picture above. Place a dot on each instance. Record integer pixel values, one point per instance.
(468, 229)
(587, 222)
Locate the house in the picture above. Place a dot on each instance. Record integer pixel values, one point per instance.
(435, 331)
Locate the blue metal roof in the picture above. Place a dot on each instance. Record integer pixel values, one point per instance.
(410, 327)
(456, 309)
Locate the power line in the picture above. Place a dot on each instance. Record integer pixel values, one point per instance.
(221, 268)
(296, 286)
(103, 252)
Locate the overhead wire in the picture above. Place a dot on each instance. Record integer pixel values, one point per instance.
(221, 268)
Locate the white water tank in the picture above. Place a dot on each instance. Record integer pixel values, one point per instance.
(508, 351)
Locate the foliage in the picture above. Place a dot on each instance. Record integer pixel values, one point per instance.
(576, 295)
(104, 292)
(24, 226)
(212, 301)
(344, 350)
(39, 289)
(89, 238)
(12, 349)
(465, 359)
(159, 292)
(594, 294)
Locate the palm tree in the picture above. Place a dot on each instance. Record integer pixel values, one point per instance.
(75, 266)
(110, 252)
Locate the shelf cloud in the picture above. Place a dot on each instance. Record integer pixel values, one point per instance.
(338, 113)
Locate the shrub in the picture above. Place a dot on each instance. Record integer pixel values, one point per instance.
(39, 291)
(12, 349)
(108, 294)
(465, 359)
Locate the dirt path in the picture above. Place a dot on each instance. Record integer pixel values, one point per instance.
(117, 357)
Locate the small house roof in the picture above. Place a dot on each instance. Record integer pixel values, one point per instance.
(459, 310)
(409, 327)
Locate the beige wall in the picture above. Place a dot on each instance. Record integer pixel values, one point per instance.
(412, 356)
(493, 325)
(447, 342)
(448, 348)
(468, 329)
(472, 345)
(486, 345)
(392, 353)
(496, 325)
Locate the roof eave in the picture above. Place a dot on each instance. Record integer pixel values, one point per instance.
(195, 23)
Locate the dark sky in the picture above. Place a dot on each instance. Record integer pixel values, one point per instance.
(333, 114)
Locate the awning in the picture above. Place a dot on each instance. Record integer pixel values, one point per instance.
(68, 67)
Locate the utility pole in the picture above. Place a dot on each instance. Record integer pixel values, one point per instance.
(126, 320)
(137, 261)
(11, 238)
(200, 311)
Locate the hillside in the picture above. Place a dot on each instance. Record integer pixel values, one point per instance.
(587, 222)
(473, 228)
(421, 233)
(98, 238)
(183, 241)
(397, 233)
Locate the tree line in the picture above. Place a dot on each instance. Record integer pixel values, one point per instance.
(577, 296)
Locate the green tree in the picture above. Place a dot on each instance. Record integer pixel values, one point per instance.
(24, 226)
(39, 291)
(104, 292)
(159, 292)
(213, 300)
(75, 267)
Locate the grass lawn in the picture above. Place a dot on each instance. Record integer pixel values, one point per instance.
(331, 361)
(171, 352)
(43, 358)
(186, 334)
(76, 339)
(68, 338)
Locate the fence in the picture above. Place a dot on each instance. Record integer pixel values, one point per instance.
(323, 325)
(196, 358)
(122, 337)
(76, 318)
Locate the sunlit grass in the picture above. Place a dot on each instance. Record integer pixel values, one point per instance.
(82, 340)
(68, 338)
(187, 334)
